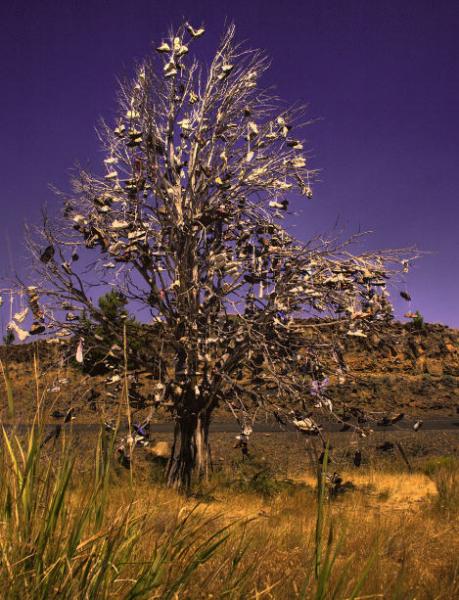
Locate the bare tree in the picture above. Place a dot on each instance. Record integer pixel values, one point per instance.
(187, 224)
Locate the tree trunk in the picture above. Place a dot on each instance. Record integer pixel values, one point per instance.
(203, 456)
(190, 454)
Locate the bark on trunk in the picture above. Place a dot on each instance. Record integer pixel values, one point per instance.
(203, 454)
(190, 454)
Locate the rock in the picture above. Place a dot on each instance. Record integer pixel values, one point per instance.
(159, 449)
(421, 366)
(434, 367)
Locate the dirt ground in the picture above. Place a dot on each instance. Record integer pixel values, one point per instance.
(285, 455)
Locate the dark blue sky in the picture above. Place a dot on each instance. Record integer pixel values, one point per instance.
(382, 76)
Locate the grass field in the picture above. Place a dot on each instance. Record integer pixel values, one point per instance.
(111, 533)
(75, 524)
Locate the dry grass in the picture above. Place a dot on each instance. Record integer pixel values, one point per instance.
(391, 526)
(91, 530)
(388, 491)
(393, 536)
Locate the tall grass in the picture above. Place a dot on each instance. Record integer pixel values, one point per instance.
(102, 533)
(56, 543)
(59, 540)
(444, 472)
(328, 544)
(8, 389)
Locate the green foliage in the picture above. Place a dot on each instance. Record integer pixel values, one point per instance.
(418, 322)
(113, 306)
(254, 477)
(8, 338)
(104, 340)
(265, 484)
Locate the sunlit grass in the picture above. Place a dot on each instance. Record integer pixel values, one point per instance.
(106, 537)
(74, 526)
(60, 538)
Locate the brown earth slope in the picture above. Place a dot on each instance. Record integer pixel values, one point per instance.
(411, 370)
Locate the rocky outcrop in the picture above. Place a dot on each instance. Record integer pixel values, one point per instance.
(406, 367)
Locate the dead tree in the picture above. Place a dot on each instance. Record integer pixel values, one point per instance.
(186, 221)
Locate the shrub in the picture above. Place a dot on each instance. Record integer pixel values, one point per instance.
(444, 472)
(418, 322)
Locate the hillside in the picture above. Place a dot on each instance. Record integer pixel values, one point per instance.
(409, 369)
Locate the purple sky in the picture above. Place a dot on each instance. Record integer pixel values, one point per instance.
(382, 76)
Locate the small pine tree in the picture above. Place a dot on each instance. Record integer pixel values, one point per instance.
(8, 338)
(105, 337)
(418, 321)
